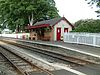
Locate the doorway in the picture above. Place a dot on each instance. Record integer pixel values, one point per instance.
(58, 34)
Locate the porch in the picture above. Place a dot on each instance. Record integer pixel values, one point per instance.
(42, 33)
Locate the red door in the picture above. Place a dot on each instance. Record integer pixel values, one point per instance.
(58, 34)
(65, 29)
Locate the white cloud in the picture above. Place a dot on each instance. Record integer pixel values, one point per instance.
(75, 10)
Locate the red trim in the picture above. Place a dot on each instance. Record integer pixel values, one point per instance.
(58, 34)
(38, 26)
(65, 29)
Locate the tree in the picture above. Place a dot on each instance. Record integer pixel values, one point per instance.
(97, 2)
(89, 25)
(19, 13)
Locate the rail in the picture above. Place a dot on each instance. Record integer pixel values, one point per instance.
(22, 65)
(52, 54)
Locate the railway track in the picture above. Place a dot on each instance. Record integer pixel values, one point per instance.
(4, 63)
(52, 54)
(86, 67)
(23, 66)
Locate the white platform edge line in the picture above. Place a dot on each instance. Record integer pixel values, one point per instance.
(69, 49)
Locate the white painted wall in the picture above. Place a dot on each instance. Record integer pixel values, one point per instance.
(62, 24)
(19, 35)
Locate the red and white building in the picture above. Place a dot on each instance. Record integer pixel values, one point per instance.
(52, 30)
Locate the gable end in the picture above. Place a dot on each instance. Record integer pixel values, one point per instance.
(63, 18)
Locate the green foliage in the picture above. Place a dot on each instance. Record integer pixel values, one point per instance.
(97, 2)
(89, 25)
(17, 12)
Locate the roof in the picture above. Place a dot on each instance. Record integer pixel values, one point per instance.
(51, 22)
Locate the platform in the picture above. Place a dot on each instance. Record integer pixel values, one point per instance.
(85, 49)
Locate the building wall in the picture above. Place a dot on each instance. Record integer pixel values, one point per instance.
(62, 24)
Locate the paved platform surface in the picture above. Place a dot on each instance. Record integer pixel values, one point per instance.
(86, 49)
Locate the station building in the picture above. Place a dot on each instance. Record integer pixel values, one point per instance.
(51, 30)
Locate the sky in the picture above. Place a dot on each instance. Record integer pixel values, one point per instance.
(75, 10)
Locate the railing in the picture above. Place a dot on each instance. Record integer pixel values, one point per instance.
(92, 39)
(17, 36)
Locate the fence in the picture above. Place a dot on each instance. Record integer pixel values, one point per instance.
(92, 39)
(19, 35)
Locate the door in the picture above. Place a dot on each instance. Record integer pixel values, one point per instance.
(58, 34)
(65, 30)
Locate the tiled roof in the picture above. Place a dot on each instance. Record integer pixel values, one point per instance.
(50, 22)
